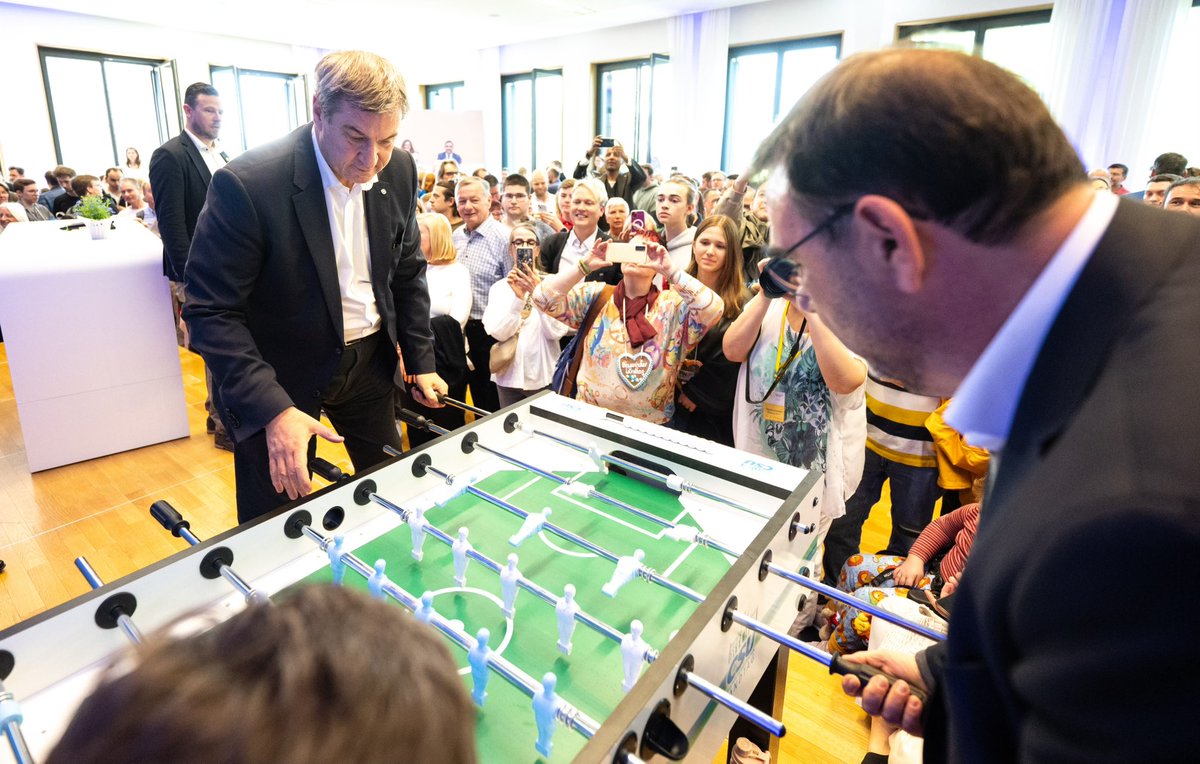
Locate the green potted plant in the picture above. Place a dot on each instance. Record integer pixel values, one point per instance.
(94, 210)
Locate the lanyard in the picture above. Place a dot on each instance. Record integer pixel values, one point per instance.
(779, 372)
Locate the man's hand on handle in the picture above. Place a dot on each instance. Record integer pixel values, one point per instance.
(287, 450)
(428, 389)
(891, 701)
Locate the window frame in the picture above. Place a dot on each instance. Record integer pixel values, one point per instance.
(453, 87)
(779, 48)
(980, 25)
(160, 99)
(295, 81)
(531, 77)
(653, 60)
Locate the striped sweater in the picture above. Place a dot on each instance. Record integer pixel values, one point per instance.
(896, 424)
(958, 527)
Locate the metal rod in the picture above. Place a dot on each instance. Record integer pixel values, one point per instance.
(787, 640)
(851, 600)
(126, 624)
(12, 728)
(743, 709)
(567, 714)
(643, 571)
(188, 536)
(464, 406)
(543, 594)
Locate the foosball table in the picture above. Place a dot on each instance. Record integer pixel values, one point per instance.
(612, 590)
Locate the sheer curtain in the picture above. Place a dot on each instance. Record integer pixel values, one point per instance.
(700, 63)
(1108, 57)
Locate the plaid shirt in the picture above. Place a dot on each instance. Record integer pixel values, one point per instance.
(485, 253)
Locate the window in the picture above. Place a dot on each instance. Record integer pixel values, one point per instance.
(259, 106)
(101, 105)
(444, 97)
(764, 82)
(532, 116)
(628, 94)
(1020, 42)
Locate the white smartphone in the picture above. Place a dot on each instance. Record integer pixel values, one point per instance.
(627, 252)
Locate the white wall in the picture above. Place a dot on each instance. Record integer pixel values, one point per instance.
(25, 135)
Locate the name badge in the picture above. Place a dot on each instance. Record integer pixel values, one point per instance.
(775, 406)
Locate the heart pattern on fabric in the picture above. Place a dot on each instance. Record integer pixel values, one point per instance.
(634, 369)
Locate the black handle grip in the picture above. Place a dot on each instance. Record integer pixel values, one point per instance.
(413, 419)
(168, 517)
(326, 469)
(839, 665)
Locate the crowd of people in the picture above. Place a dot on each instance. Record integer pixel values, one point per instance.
(706, 329)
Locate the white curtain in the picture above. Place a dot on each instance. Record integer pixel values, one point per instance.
(1108, 58)
(699, 49)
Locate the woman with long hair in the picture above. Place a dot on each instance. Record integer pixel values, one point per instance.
(709, 379)
(632, 352)
(510, 313)
(441, 202)
(133, 162)
(448, 170)
(449, 286)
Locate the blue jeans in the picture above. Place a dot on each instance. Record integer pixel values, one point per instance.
(914, 492)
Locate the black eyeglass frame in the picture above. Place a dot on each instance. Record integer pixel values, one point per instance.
(779, 272)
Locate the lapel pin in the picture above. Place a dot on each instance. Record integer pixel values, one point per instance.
(383, 191)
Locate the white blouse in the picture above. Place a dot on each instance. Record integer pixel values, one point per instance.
(537, 347)
(449, 291)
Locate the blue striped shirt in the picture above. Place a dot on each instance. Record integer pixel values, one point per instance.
(485, 253)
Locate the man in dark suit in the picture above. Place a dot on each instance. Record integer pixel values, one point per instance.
(616, 183)
(567, 247)
(180, 171)
(1063, 324)
(305, 272)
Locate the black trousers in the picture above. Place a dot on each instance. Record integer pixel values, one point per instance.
(358, 402)
(479, 379)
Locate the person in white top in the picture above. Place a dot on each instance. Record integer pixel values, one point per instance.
(676, 203)
(509, 313)
(135, 204)
(449, 285)
(543, 200)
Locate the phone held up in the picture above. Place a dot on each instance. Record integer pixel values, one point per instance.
(627, 252)
(525, 258)
(606, 142)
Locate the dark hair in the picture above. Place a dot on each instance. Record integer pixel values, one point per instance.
(1193, 172)
(442, 167)
(137, 157)
(706, 177)
(951, 137)
(491, 180)
(447, 188)
(20, 170)
(62, 171)
(732, 286)
(80, 183)
(1185, 181)
(110, 169)
(648, 169)
(20, 184)
(1119, 166)
(326, 675)
(51, 178)
(1169, 163)
(197, 89)
(518, 180)
(1165, 177)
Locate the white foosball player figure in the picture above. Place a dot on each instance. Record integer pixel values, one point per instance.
(417, 524)
(336, 563)
(424, 611)
(377, 580)
(534, 522)
(477, 656)
(460, 548)
(545, 704)
(509, 576)
(565, 609)
(627, 570)
(633, 653)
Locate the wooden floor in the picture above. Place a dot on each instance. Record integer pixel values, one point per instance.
(100, 509)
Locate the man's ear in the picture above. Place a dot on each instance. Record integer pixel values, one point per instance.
(890, 240)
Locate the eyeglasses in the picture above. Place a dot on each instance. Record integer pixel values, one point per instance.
(779, 275)
(524, 242)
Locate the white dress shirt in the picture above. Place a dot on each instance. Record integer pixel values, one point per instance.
(212, 155)
(348, 224)
(575, 250)
(986, 402)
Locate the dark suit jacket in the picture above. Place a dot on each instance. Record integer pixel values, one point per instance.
(551, 257)
(263, 303)
(627, 183)
(179, 179)
(1096, 500)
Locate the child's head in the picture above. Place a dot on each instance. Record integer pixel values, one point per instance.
(326, 675)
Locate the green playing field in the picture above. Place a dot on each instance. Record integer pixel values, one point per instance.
(590, 678)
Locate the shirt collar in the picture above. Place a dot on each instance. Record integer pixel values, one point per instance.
(985, 403)
(584, 244)
(215, 147)
(329, 181)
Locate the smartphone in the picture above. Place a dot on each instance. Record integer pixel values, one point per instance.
(624, 252)
(637, 221)
(607, 142)
(525, 258)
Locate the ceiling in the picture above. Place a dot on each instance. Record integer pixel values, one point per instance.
(432, 25)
